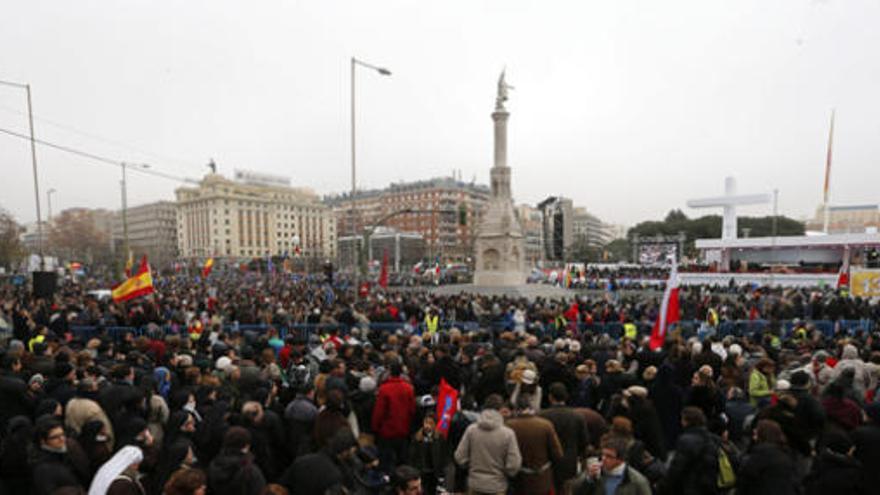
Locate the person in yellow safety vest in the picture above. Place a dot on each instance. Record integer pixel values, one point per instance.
(630, 330)
(712, 317)
(560, 322)
(432, 322)
(799, 334)
(37, 339)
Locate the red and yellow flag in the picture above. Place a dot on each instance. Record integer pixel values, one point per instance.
(209, 265)
(138, 285)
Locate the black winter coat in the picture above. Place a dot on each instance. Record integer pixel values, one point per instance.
(867, 442)
(311, 474)
(694, 466)
(767, 470)
(51, 471)
(835, 473)
(235, 473)
(14, 399)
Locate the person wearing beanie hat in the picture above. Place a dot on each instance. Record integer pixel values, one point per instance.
(234, 470)
(808, 410)
(62, 385)
(835, 470)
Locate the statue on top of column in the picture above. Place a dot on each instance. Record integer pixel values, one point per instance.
(502, 92)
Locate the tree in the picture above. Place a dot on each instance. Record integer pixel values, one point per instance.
(618, 250)
(75, 235)
(11, 249)
(709, 227)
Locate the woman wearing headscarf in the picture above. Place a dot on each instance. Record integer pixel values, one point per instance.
(95, 442)
(178, 455)
(182, 425)
(119, 475)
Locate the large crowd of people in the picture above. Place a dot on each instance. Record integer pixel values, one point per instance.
(251, 384)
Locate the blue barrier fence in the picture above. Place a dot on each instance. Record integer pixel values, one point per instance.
(615, 330)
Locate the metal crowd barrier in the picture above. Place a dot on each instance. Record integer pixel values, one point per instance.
(688, 328)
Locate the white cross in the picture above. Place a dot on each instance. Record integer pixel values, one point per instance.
(729, 202)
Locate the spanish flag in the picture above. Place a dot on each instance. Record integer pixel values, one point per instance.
(206, 270)
(138, 285)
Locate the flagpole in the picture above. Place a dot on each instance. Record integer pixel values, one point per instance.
(826, 193)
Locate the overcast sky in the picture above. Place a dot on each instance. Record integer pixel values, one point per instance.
(628, 107)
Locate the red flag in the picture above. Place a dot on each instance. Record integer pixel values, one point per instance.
(447, 404)
(206, 269)
(383, 275)
(843, 275)
(144, 266)
(669, 312)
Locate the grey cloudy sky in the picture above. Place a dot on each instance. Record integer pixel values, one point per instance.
(628, 107)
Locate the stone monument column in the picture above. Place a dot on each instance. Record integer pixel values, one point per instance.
(499, 246)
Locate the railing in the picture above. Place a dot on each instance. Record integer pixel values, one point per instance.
(688, 328)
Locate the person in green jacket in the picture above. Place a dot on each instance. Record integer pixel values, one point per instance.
(761, 383)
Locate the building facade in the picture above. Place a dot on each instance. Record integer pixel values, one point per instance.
(587, 229)
(556, 216)
(247, 218)
(533, 231)
(404, 249)
(445, 211)
(152, 231)
(846, 219)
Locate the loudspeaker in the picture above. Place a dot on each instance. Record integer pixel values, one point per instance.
(44, 284)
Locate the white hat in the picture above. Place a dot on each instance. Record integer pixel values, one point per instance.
(223, 363)
(735, 349)
(367, 384)
(528, 377)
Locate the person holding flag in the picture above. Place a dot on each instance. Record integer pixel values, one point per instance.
(140, 284)
(209, 265)
(669, 313)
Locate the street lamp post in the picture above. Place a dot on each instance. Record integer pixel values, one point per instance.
(385, 72)
(27, 88)
(124, 187)
(49, 194)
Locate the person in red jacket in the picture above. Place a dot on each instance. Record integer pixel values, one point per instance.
(392, 418)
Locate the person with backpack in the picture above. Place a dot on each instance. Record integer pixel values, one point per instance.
(694, 466)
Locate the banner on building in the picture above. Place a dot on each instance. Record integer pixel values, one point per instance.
(864, 283)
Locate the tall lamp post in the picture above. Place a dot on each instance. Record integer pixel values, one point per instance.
(27, 88)
(49, 194)
(124, 184)
(385, 72)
